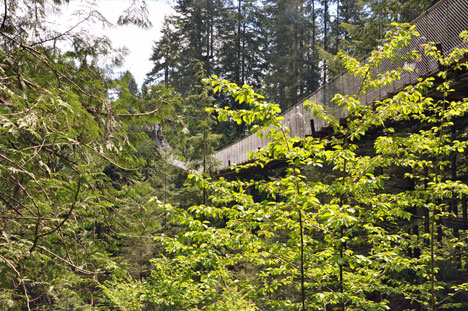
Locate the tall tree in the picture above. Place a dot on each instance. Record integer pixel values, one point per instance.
(188, 36)
(375, 20)
(292, 55)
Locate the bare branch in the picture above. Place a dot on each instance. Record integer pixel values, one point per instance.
(5, 14)
(38, 236)
(20, 280)
(138, 114)
(109, 159)
(63, 33)
(27, 173)
(46, 61)
(71, 264)
(22, 188)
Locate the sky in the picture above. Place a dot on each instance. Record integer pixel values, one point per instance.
(138, 41)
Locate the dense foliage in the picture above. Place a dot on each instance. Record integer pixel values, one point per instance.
(96, 215)
(346, 226)
(72, 169)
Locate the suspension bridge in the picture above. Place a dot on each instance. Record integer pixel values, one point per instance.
(441, 24)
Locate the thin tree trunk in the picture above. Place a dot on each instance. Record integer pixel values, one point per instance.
(238, 43)
(325, 38)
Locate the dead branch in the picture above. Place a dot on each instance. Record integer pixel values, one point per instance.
(38, 236)
(20, 280)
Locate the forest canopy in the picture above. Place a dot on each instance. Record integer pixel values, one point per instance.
(110, 197)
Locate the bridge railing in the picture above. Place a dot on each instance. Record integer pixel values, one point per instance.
(442, 24)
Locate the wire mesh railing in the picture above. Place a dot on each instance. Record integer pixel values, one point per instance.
(441, 24)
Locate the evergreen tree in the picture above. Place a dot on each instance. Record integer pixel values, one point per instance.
(188, 36)
(242, 29)
(165, 55)
(70, 172)
(375, 20)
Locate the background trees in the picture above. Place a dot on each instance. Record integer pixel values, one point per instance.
(284, 48)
